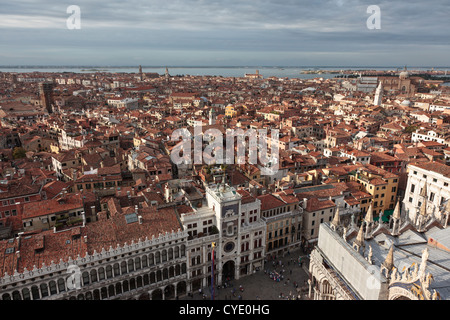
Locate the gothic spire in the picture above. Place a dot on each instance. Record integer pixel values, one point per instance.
(336, 219)
(423, 208)
(360, 237)
(424, 191)
(396, 214)
(369, 215)
(389, 261)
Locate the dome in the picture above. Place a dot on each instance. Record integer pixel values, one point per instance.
(404, 75)
(406, 103)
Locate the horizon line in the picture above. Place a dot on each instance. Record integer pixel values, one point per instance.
(219, 66)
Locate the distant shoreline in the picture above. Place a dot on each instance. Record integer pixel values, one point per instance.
(308, 68)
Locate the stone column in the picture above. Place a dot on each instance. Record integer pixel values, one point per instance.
(175, 289)
(310, 288)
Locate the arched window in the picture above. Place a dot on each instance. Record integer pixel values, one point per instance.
(157, 257)
(125, 286)
(183, 250)
(109, 272)
(130, 265)
(111, 291)
(35, 293)
(177, 252)
(170, 254)
(6, 296)
(101, 274)
(116, 270)
(16, 295)
(118, 288)
(61, 285)
(94, 275)
(144, 262)
(26, 294)
(104, 293)
(165, 274)
(52, 286)
(164, 255)
(137, 263)
(85, 278)
(132, 284)
(44, 290)
(123, 267)
(139, 282)
(146, 280)
(151, 259)
(158, 275)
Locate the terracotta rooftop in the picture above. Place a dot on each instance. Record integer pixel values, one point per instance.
(52, 206)
(435, 167)
(47, 246)
(269, 201)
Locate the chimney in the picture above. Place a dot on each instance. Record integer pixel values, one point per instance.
(140, 219)
(305, 203)
(85, 239)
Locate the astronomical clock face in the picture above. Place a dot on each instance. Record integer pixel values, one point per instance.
(228, 247)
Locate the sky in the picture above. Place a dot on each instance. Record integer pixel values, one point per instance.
(225, 33)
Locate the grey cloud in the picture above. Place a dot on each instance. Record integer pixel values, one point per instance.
(233, 26)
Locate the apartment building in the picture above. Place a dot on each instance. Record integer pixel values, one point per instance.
(382, 185)
(427, 182)
(283, 216)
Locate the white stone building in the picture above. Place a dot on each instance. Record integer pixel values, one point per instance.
(426, 181)
(139, 253)
(379, 262)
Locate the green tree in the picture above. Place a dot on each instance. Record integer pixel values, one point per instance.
(19, 152)
(410, 129)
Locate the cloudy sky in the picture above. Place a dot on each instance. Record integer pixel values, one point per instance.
(225, 33)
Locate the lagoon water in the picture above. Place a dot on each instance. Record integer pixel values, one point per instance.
(281, 72)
